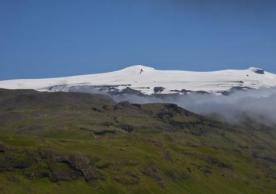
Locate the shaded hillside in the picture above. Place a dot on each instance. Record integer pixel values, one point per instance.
(82, 143)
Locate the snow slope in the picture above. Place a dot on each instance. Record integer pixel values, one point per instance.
(145, 79)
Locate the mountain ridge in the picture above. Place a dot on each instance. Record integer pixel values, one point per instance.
(148, 81)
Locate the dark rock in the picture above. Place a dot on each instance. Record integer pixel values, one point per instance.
(198, 131)
(215, 162)
(96, 109)
(177, 175)
(15, 160)
(152, 172)
(264, 157)
(107, 107)
(127, 179)
(103, 131)
(206, 170)
(257, 70)
(165, 116)
(127, 128)
(201, 92)
(122, 105)
(168, 156)
(158, 89)
(183, 91)
(79, 163)
(83, 164)
(62, 172)
(137, 105)
(129, 90)
(2, 148)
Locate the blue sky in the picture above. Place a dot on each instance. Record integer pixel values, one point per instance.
(46, 38)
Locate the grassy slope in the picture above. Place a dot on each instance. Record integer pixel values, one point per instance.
(79, 143)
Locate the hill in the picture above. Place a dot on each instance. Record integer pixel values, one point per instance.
(83, 143)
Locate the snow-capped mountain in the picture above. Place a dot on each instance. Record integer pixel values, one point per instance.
(147, 80)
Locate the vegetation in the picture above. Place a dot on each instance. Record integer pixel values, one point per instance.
(81, 143)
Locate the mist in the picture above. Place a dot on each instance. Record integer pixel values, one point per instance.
(258, 104)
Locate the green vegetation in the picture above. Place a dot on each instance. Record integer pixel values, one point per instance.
(79, 143)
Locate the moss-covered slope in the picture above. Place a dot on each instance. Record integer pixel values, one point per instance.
(81, 143)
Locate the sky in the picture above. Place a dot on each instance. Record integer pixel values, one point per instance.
(50, 38)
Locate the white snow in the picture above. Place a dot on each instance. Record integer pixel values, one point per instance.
(145, 78)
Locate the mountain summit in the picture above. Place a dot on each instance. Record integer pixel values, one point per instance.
(147, 81)
(138, 68)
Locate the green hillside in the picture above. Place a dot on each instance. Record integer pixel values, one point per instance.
(80, 143)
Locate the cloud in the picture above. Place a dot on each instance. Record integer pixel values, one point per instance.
(258, 104)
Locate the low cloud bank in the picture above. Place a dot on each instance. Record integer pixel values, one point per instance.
(257, 104)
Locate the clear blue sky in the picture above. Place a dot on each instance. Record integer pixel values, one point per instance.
(45, 38)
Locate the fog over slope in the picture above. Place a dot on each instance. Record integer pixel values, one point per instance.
(258, 104)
